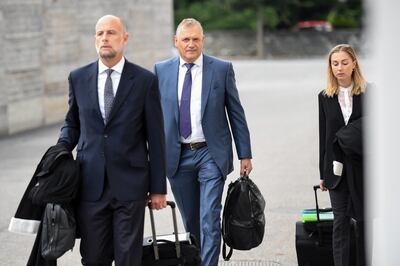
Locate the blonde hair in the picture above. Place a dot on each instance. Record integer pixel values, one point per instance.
(359, 83)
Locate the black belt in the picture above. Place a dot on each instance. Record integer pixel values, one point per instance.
(194, 145)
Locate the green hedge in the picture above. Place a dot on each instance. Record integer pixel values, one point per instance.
(215, 17)
(241, 14)
(344, 18)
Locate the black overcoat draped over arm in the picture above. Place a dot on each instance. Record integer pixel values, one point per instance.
(348, 149)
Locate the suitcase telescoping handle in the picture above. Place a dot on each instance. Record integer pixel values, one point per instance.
(153, 231)
(316, 187)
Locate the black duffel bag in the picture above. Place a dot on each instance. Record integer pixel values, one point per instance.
(175, 249)
(243, 219)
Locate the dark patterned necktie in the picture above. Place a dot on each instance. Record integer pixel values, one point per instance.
(185, 125)
(108, 95)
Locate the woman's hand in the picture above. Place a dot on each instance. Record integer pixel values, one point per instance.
(322, 185)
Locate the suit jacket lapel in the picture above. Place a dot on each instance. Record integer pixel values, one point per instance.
(173, 84)
(356, 107)
(206, 82)
(124, 88)
(336, 108)
(92, 87)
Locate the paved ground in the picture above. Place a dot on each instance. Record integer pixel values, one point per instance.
(280, 100)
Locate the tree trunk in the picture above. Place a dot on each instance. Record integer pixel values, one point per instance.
(260, 31)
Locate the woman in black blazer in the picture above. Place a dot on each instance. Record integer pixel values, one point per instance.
(340, 104)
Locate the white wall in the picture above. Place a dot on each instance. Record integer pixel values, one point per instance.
(384, 132)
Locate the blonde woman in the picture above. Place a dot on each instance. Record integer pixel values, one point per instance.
(340, 109)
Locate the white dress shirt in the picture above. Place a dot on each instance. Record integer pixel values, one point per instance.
(346, 105)
(346, 102)
(195, 99)
(101, 81)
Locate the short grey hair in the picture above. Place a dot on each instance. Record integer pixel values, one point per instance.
(189, 22)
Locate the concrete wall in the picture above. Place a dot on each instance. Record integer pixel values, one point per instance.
(43, 40)
(281, 44)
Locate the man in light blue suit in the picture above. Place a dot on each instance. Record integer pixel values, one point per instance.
(199, 97)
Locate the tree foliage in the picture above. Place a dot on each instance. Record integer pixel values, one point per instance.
(278, 14)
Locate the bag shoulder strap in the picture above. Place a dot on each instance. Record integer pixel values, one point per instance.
(224, 255)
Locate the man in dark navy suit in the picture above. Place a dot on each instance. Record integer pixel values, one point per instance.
(115, 119)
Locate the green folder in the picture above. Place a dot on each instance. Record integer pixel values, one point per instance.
(310, 215)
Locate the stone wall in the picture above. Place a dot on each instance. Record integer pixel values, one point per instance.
(281, 44)
(43, 40)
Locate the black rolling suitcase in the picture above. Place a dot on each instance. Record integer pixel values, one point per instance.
(314, 240)
(175, 249)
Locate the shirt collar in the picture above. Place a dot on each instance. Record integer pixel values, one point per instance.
(117, 68)
(197, 62)
(346, 88)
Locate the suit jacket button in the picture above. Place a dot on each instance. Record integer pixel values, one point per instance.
(105, 135)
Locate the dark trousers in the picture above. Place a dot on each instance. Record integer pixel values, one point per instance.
(111, 230)
(361, 247)
(340, 199)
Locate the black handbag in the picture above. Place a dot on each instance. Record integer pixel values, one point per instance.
(175, 249)
(58, 232)
(243, 219)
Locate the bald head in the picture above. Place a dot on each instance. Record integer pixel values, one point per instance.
(111, 39)
(108, 18)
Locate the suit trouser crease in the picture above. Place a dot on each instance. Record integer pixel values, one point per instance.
(341, 224)
(197, 187)
(111, 230)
